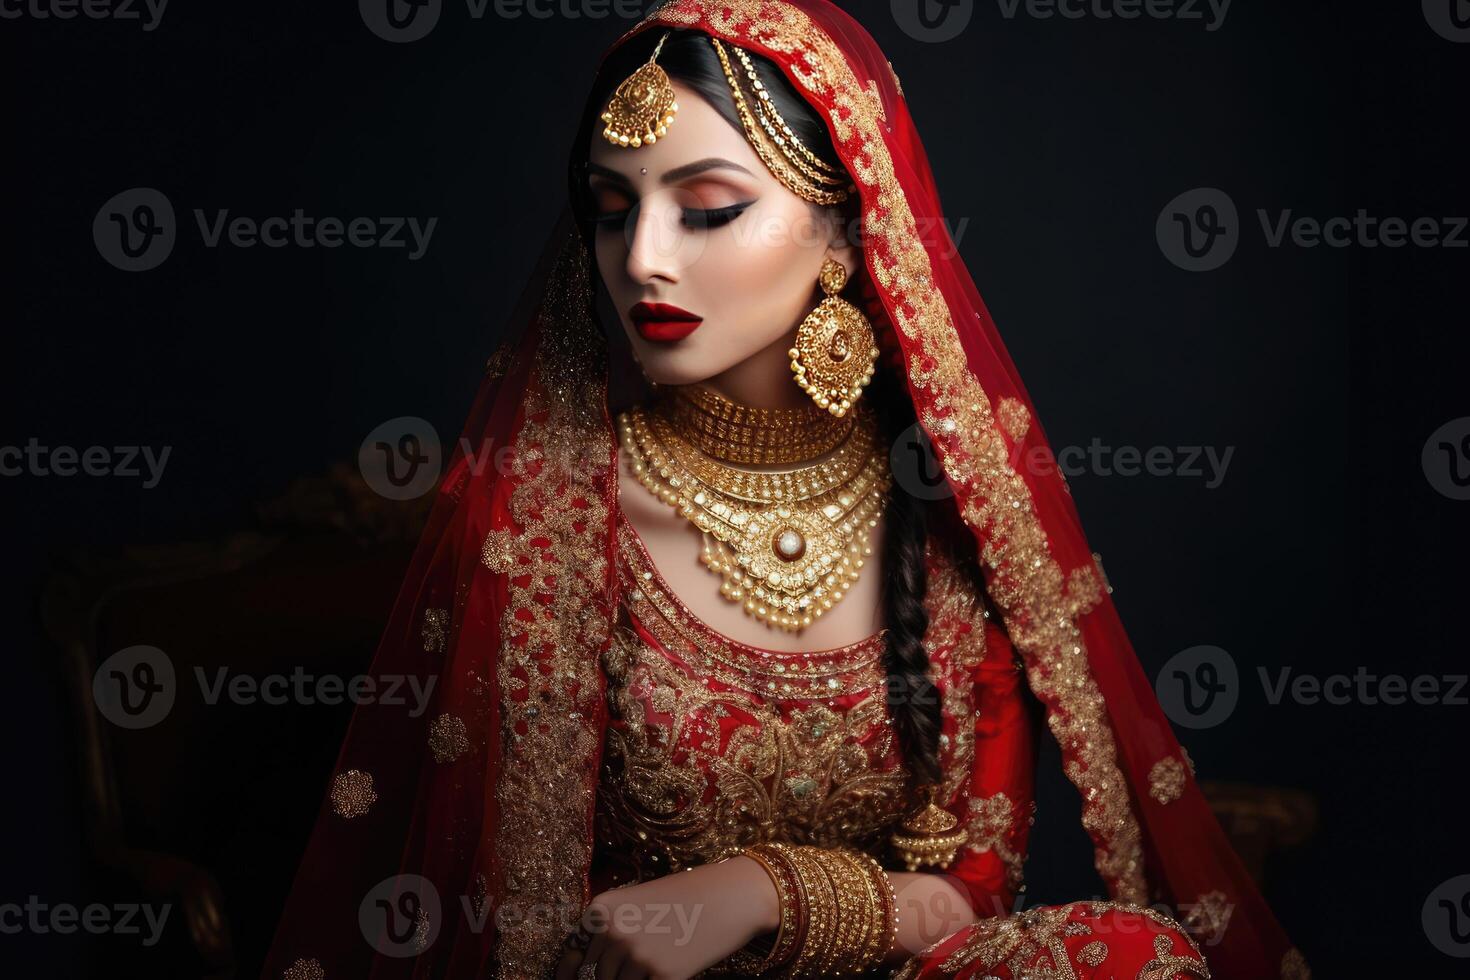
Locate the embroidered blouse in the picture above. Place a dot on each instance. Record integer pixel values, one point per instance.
(713, 744)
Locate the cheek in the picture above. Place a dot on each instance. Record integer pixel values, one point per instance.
(610, 256)
(764, 275)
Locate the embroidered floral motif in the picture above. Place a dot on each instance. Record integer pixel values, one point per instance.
(1294, 966)
(1093, 954)
(421, 929)
(1166, 965)
(1014, 417)
(304, 970)
(1032, 945)
(993, 822)
(499, 362)
(1166, 780)
(436, 626)
(554, 627)
(1210, 916)
(352, 793)
(447, 738)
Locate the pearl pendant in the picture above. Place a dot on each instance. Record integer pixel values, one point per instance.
(790, 545)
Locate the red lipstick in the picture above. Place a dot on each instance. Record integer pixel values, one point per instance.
(662, 323)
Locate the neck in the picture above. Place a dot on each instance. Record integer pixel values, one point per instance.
(762, 380)
(724, 429)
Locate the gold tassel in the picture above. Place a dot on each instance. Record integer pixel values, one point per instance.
(931, 835)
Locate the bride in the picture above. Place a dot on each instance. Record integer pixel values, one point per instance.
(735, 650)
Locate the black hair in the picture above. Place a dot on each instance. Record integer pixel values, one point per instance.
(913, 701)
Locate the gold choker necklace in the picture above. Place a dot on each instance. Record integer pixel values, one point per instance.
(724, 430)
(788, 545)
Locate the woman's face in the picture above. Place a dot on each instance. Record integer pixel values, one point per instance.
(707, 257)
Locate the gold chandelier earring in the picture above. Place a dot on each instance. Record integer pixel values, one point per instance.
(835, 352)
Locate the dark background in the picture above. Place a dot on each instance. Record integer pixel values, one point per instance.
(1058, 141)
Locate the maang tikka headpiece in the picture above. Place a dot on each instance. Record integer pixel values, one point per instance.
(643, 107)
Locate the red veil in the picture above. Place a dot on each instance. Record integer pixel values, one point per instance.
(458, 843)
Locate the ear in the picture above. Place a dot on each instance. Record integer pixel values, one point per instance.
(843, 247)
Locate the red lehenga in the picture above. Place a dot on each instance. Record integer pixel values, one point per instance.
(467, 841)
(713, 744)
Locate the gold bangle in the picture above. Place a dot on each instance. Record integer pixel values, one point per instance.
(793, 914)
(862, 913)
(884, 910)
(817, 952)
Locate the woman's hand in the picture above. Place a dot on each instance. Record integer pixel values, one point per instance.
(673, 927)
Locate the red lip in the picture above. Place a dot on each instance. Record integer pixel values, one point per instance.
(662, 323)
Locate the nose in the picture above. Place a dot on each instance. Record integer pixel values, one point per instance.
(655, 239)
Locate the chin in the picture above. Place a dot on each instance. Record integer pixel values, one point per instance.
(685, 364)
(670, 369)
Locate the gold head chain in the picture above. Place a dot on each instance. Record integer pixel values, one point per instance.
(643, 107)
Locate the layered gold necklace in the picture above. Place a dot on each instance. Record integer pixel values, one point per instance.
(788, 544)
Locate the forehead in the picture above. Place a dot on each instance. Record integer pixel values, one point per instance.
(698, 131)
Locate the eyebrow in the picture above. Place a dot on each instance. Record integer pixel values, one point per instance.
(676, 174)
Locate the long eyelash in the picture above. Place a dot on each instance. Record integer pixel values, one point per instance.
(714, 217)
(612, 218)
(693, 218)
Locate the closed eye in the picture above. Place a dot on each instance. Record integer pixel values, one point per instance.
(695, 219)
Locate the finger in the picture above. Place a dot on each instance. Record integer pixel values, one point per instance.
(566, 967)
(632, 971)
(574, 953)
(595, 951)
(611, 961)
